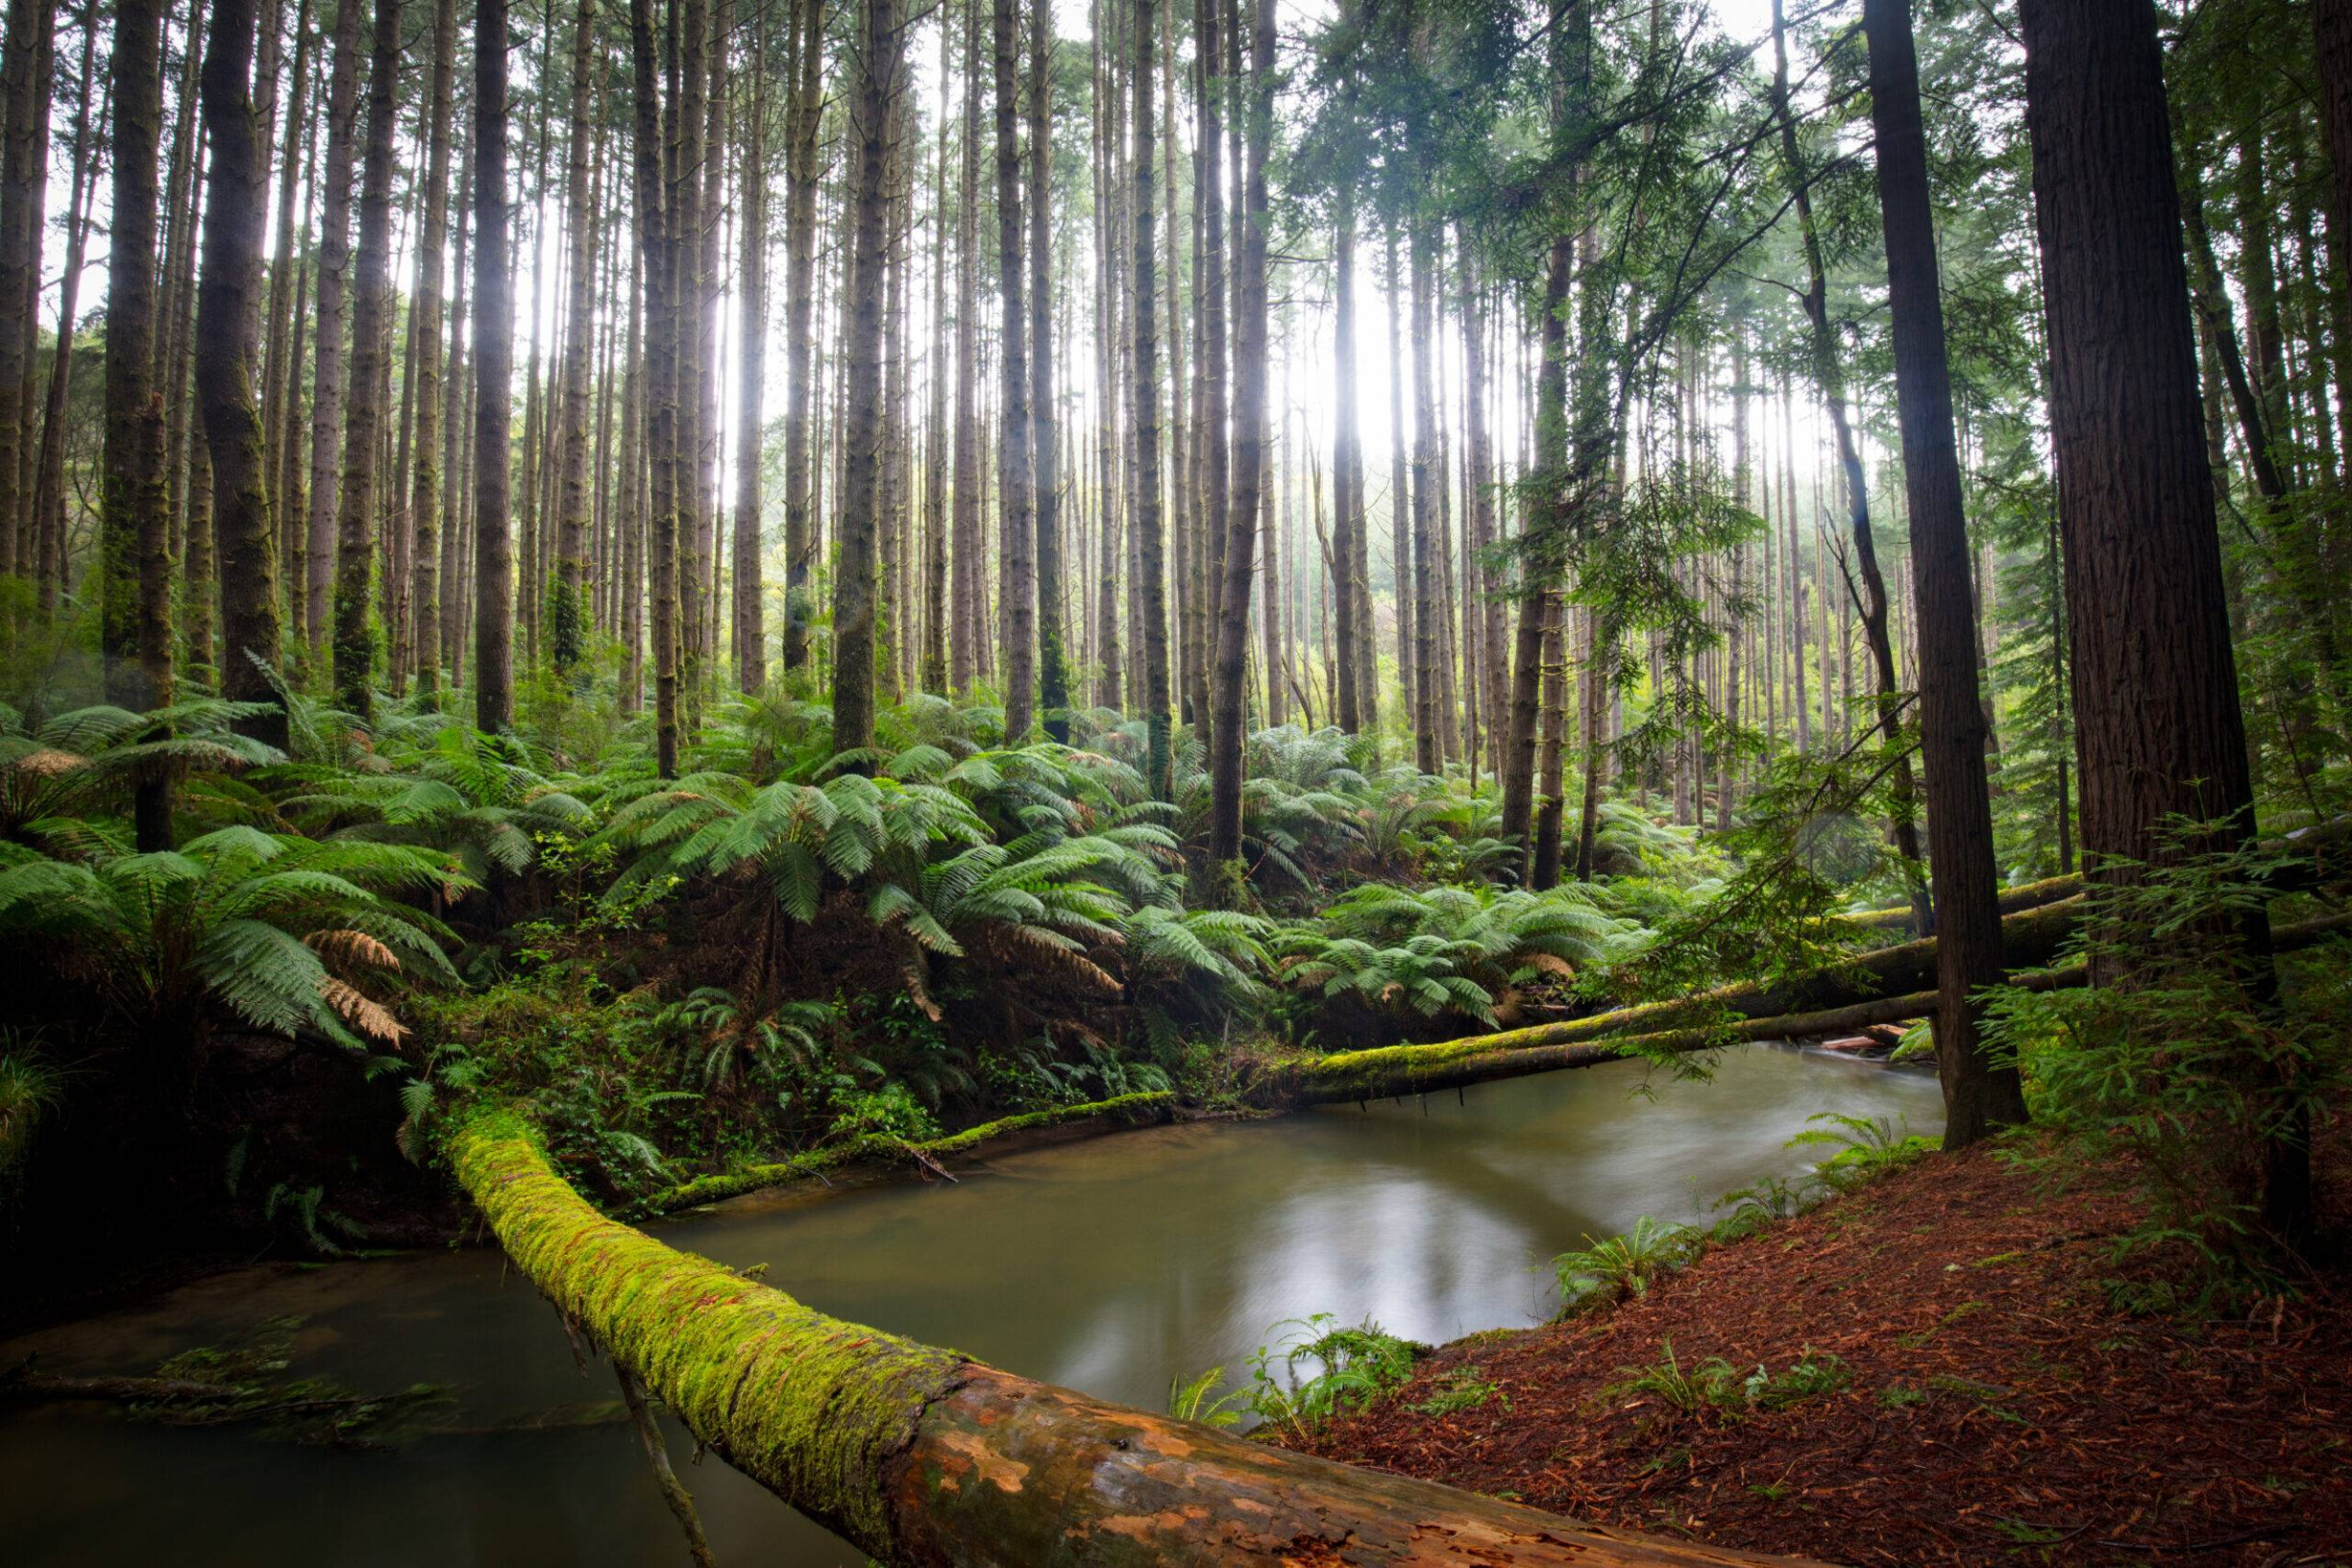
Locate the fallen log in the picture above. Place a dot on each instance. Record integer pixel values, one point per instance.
(923, 1456)
(877, 1147)
(1391, 1070)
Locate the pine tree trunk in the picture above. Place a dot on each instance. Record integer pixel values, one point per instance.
(134, 558)
(1979, 1096)
(371, 310)
(493, 341)
(657, 249)
(2155, 700)
(286, 271)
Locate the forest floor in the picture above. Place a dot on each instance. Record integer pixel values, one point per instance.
(1999, 1409)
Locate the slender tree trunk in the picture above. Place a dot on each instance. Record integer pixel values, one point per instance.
(2155, 698)
(750, 635)
(1979, 1096)
(426, 320)
(875, 79)
(48, 510)
(22, 179)
(285, 269)
(1229, 715)
(1536, 595)
(970, 621)
(1150, 560)
(135, 558)
(568, 640)
(227, 323)
(1348, 607)
(333, 283)
(371, 307)
(802, 111)
(1053, 667)
(1428, 690)
(493, 379)
(1829, 373)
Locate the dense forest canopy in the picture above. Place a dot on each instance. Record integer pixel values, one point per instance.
(760, 582)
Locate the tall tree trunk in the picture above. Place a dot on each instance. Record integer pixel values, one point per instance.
(803, 108)
(2155, 700)
(48, 510)
(1015, 478)
(874, 82)
(1979, 1096)
(22, 179)
(1428, 690)
(1829, 373)
(749, 632)
(969, 620)
(333, 284)
(227, 325)
(1348, 605)
(569, 608)
(371, 319)
(493, 379)
(1053, 667)
(136, 560)
(1150, 560)
(1539, 532)
(1400, 494)
(426, 320)
(1230, 717)
(278, 344)
(657, 247)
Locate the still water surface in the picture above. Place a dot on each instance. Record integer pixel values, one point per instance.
(1110, 1265)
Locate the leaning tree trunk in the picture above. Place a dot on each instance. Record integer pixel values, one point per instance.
(228, 322)
(875, 79)
(354, 645)
(921, 1456)
(2157, 721)
(493, 379)
(1979, 1096)
(135, 558)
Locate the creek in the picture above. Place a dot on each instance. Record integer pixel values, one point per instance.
(1110, 1265)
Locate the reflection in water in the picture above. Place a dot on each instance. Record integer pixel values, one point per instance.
(1111, 1265)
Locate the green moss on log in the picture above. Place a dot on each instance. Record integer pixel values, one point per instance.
(734, 1184)
(808, 1405)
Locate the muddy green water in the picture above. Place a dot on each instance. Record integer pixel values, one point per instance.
(1108, 1265)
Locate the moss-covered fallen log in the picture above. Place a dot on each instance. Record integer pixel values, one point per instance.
(875, 1148)
(2013, 901)
(921, 1456)
(1392, 1070)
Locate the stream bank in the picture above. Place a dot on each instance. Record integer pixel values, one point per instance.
(1995, 1408)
